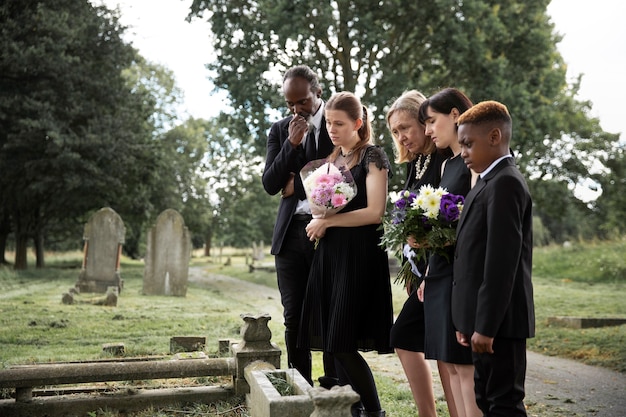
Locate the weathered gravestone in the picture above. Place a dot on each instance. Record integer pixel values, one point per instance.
(104, 236)
(167, 256)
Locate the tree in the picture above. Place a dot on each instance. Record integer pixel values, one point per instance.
(490, 49)
(611, 205)
(154, 97)
(242, 211)
(74, 137)
(183, 183)
(565, 216)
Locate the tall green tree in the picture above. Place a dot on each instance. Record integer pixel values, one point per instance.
(243, 212)
(491, 49)
(74, 136)
(611, 204)
(183, 184)
(154, 97)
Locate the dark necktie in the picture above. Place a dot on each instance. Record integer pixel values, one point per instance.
(310, 149)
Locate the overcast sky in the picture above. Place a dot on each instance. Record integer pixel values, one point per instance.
(594, 44)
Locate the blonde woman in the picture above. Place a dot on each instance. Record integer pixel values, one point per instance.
(423, 161)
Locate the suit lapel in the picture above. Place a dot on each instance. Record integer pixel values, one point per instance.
(324, 145)
(478, 188)
(469, 198)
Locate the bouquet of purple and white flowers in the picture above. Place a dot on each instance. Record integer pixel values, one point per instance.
(328, 188)
(429, 216)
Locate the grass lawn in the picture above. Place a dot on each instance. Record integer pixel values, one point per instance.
(37, 327)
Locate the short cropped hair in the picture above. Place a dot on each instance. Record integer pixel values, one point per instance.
(489, 113)
(485, 111)
(303, 71)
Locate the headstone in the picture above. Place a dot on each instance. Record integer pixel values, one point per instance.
(114, 349)
(585, 322)
(187, 343)
(67, 298)
(109, 299)
(258, 252)
(224, 347)
(103, 236)
(167, 256)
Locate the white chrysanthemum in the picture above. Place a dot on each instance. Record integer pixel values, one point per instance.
(432, 214)
(346, 190)
(431, 204)
(419, 202)
(426, 190)
(309, 183)
(439, 192)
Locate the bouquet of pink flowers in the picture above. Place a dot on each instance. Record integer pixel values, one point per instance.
(429, 216)
(328, 187)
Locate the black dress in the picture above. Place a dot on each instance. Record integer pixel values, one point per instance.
(441, 343)
(407, 332)
(347, 306)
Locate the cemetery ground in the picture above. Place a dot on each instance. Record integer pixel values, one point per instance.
(584, 280)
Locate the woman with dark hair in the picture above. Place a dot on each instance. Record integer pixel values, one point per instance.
(439, 114)
(423, 161)
(347, 306)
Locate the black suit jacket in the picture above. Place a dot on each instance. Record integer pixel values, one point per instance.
(492, 291)
(281, 160)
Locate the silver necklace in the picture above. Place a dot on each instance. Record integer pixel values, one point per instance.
(347, 154)
(421, 166)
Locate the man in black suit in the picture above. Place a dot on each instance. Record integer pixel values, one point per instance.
(291, 143)
(492, 295)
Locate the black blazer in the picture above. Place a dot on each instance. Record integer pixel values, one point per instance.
(281, 160)
(492, 291)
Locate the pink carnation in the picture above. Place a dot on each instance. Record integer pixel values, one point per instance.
(328, 179)
(338, 200)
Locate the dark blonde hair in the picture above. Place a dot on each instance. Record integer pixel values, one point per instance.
(351, 105)
(409, 102)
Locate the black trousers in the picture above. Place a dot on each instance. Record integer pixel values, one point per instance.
(499, 378)
(292, 269)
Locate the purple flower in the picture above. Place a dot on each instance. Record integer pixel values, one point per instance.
(401, 204)
(407, 199)
(398, 217)
(448, 207)
(322, 195)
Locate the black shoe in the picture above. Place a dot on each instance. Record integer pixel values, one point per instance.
(380, 413)
(357, 411)
(328, 382)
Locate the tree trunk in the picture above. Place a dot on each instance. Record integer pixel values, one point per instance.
(39, 252)
(3, 247)
(21, 249)
(207, 245)
(5, 229)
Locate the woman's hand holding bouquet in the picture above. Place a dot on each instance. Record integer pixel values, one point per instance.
(420, 224)
(328, 188)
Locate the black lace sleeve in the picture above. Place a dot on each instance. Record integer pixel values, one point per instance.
(377, 156)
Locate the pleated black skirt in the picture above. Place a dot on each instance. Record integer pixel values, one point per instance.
(347, 306)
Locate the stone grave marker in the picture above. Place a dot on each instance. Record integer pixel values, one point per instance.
(103, 236)
(167, 257)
